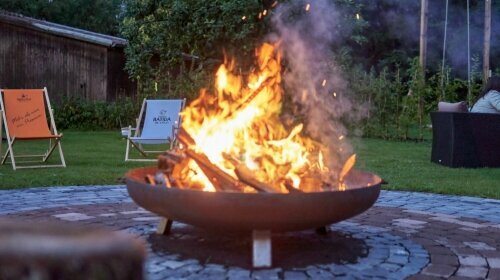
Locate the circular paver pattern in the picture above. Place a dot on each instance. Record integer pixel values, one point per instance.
(404, 235)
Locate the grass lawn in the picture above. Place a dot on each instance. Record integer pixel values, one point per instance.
(92, 158)
(407, 166)
(97, 157)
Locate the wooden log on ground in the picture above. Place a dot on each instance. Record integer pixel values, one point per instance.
(57, 250)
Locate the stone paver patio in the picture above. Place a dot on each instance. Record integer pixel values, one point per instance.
(404, 235)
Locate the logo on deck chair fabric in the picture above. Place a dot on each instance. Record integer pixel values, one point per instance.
(162, 118)
(24, 98)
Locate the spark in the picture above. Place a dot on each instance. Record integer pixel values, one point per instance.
(334, 94)
(323, 83)
(308, 6)
(243, 17)
(341, 137)
(357, 16)
(264, 13)
(275, 3)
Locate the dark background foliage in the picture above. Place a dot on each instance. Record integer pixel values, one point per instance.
(175, 47)
(101, 16)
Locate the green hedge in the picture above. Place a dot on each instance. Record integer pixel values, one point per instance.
(80, 114)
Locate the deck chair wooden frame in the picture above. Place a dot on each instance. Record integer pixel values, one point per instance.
(136, 132)
(51, 134)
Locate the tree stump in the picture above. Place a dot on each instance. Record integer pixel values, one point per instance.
(60, 251)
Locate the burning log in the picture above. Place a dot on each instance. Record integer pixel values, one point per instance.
(290, 188)
(185, 138)
(348, 165)
(159, 178)
(245, 175)
(150, 179)
(162, 179)
(264, 84)
(312, 183)
(168, 160)
(220, 179)
(172, 156)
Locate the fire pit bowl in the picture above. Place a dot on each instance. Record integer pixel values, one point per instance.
(278, 212)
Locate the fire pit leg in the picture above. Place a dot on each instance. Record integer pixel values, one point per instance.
(164, 226)
(261, 248)
(322, 230)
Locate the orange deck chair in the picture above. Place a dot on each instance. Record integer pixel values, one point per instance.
(23, 112)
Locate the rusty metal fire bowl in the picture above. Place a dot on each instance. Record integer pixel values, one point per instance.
(277, 212)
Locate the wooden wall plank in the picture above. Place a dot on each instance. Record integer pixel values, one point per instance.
(67, 67)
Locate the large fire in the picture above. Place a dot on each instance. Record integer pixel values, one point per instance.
(238, 129)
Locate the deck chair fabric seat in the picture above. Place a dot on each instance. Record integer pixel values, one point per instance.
(24, 118)
(157, 122)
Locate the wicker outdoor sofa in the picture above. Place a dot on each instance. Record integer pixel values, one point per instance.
(463, 139)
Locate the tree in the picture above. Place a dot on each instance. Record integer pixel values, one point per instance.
(102, 16)
(166, 35)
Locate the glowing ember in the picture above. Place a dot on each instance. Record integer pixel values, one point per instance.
(308, 6)
(238, 130)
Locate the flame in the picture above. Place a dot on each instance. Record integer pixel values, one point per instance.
(240, 124)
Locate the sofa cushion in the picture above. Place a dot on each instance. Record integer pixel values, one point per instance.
(453, 107)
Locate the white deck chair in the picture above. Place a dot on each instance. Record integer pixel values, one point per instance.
(23, 112)
(157, 124)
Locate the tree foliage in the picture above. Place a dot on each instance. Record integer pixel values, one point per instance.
(175, 39)
(102, 16)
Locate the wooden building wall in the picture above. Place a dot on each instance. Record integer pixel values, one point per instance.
(67, 67)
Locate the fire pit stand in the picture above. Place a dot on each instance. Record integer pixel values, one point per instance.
(164, 226)
(261, 248)
(261, 243)
(260, 213)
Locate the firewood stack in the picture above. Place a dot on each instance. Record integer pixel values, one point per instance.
(171, 163)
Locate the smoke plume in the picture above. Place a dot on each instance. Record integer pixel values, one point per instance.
(312, 79)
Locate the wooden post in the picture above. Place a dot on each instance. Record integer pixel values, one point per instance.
(50, 250)
(487, 37)
(423, 33)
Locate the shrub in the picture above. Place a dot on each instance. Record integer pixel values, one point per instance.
(80, 114)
